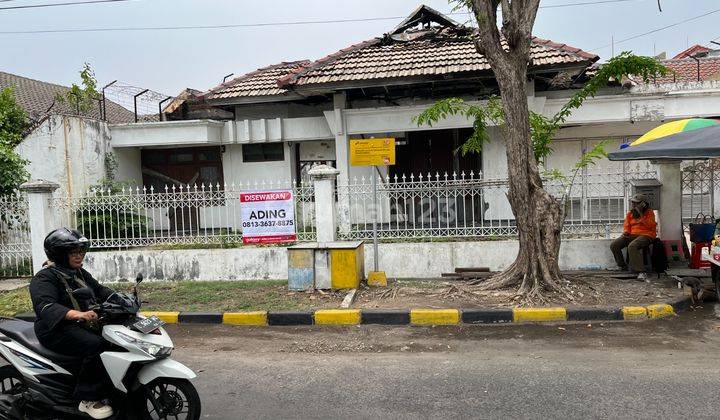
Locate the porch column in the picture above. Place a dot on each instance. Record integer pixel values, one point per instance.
(323, 178)
(41, 217)
(670, 210)
(342, 158)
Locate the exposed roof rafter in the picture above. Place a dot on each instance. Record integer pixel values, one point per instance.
(425, 15)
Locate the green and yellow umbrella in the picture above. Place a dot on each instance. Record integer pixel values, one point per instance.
(675, 127)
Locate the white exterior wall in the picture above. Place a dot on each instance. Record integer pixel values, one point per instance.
(621, 117)
(185, 133)
(235, 170)
(429, 260)
(67, 150)
(129, 164)
(317, 150)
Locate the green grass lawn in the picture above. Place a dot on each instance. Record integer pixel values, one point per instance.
(211, 296)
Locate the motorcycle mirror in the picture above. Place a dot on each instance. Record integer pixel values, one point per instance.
(139, 278)
(83, 293)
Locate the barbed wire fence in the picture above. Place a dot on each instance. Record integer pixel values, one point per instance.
(146, 104)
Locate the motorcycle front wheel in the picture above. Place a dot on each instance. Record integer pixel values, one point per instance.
(165, 399)
(11, 383)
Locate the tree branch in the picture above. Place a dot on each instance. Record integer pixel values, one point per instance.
(488, 41)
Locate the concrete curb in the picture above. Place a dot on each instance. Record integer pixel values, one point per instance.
(422, 317)
(594, 314)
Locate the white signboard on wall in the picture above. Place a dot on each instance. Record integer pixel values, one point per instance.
(268, 217)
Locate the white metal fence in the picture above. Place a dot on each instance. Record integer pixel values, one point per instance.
(464, 205)
(423, 206)
(15, 252)
(176, 215)
(700, 182)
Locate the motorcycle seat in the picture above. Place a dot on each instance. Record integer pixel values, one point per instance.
(24, 333)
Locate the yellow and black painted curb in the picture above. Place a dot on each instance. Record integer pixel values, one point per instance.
(422, 317)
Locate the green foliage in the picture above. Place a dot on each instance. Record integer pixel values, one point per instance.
(111, 165)
(623, 65)
(554, 175)
(592, 156)
(13, 122)
(542, 128)
(20, 267)
(82, 99)
(13, 119)
(121, 222)
(481, 115)
(12, 171)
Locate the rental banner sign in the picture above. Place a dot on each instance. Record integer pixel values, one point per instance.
(267, 217)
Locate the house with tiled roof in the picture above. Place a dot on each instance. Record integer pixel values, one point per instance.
(694, 51)
(288, 117)
(282, 113)
(696, 64)
(62, 145)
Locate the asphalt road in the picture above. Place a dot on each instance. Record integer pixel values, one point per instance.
(660, 369)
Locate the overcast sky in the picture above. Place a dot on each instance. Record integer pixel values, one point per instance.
(168, 61)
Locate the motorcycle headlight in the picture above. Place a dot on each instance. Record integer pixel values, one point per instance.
(149, 348)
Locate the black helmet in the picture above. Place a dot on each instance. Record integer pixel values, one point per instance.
(61, 241)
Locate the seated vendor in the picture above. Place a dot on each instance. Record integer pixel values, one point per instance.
(639, 231)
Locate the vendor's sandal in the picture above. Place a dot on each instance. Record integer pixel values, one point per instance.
(96, 409)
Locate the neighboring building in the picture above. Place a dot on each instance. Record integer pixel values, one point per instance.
(696, 64)
(694, 51)
(62, 146)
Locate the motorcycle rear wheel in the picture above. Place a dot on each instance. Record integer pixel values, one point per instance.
(167, 399)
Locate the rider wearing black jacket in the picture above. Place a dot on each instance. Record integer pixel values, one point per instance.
(63, 324)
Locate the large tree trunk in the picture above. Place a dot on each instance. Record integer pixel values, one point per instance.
(539, 216)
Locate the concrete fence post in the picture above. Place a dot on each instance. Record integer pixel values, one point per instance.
(41, 217)
(323, 178)
(670, 211)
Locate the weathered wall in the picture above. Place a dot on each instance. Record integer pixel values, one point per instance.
(67, 150)
(317, 150)
(196, 264)
(430, 259)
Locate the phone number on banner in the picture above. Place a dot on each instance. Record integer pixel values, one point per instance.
(268, 223)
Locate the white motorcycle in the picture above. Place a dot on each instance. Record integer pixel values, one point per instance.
(149, 385)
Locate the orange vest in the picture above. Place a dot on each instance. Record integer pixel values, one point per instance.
(643, 226)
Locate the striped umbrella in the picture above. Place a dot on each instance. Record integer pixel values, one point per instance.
(675, 127)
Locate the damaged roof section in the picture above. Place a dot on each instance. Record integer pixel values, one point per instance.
(438, 54)
(261, 83)
(426, 45)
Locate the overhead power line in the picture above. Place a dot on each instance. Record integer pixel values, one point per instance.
(262, 24)
(69, 3)
(586, 3)
(672, 25)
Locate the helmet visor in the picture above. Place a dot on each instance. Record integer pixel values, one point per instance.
(81, 247)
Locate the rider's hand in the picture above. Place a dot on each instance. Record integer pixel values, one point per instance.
(81, 316)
